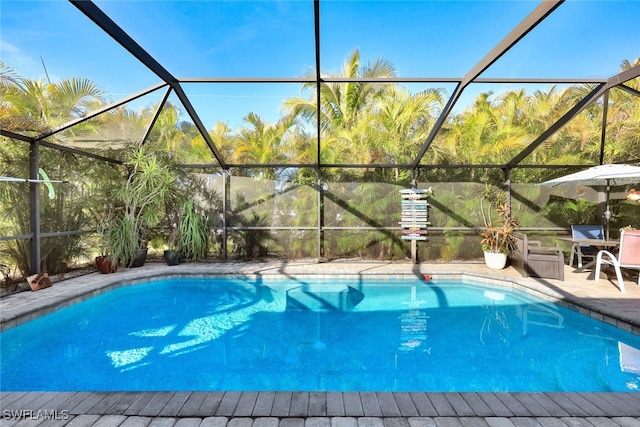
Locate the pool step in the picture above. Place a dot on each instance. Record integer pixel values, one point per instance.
(323, 298)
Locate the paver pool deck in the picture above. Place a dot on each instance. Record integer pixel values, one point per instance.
(601, 300)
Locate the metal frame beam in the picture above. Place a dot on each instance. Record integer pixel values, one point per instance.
(34, 209)
(13, 135)
(318, 83)
(95, 14)
(591, 96)
(333, 79)
(79, 152)
(612, 82)
(603, 133)
(628, 89)
(30, 140)
(375, 166)
(198, 123)
(543, 10)
(99, 111)
(154, 119)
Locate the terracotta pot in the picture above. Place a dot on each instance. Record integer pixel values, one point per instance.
(39, 281)
(106, 264)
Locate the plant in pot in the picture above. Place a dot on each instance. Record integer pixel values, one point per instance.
(172, 255)
(193, 232)
(190, 207)
(105, 262)
(140, 202)
(498, 238)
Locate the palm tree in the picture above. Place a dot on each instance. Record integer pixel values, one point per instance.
(264, 143)
(32, 107)
(11, 87)
(402, 122)
(343, 106)
(623, 130)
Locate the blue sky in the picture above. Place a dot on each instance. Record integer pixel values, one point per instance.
(275, 39)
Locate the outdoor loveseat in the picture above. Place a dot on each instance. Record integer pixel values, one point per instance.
(532, 259)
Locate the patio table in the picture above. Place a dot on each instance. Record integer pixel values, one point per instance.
(608, 244)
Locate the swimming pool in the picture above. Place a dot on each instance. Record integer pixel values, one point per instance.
(339, 335)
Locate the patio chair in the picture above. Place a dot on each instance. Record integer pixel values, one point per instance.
(584, 232)
(628, 256)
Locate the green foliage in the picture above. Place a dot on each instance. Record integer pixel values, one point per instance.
(193, 233)
(120, 238)
(565, 212)
(454, 244)
(252, 243)
(139, 202)
(360, 122)
(498, 235)
(68, 210)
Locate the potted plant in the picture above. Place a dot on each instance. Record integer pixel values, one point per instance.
(105, 262)
(498, 235)
(172, 255)
(189, 209)
(140, 204)
(193, 232)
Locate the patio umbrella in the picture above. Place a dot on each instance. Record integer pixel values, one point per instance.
(613, 174)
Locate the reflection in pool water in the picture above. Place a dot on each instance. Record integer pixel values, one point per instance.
(346, 335)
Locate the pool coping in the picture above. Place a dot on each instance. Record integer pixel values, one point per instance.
(334, 409)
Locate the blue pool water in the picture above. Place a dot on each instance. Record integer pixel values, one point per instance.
(235, 334)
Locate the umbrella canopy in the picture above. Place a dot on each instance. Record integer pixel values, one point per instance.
(601, 175)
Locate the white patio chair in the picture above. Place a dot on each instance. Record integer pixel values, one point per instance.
(628, 256)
